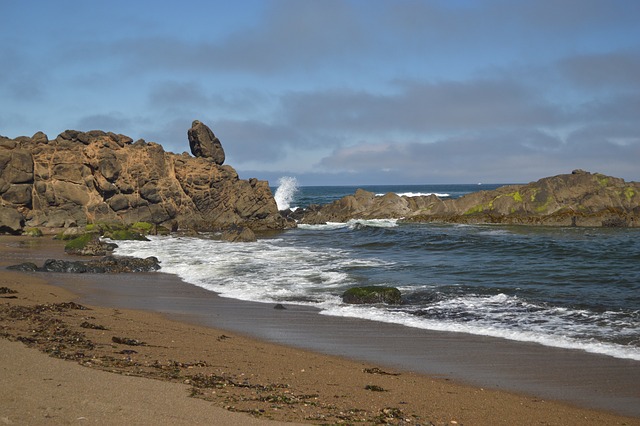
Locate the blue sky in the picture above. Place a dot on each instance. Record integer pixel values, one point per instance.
(339, 92)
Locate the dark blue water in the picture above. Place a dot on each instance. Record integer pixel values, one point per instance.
(565, 287)
(304, 196)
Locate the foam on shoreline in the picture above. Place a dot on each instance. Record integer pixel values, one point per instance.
(589, 380)
(585, 379)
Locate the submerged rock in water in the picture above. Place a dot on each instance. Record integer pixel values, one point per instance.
(372, 294)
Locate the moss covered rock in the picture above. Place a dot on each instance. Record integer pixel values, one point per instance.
(143, 227)
(88, 245)
(32, 232)
(146, 228)
(119, 231)
(372, 294)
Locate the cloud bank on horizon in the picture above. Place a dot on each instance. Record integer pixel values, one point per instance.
(340, 91)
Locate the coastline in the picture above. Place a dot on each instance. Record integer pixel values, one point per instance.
(450, 388)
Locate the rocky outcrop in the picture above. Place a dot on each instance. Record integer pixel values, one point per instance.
(361, 205)
(204, 143)
(106, 265)
(88, 177)
(577, 199)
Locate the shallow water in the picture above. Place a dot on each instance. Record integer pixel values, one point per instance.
(564, 287)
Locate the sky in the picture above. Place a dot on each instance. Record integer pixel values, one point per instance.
(339, 92)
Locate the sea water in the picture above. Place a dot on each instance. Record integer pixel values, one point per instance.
(573, 288)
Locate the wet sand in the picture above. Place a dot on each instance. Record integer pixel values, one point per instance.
(574, 376)
(443, 377)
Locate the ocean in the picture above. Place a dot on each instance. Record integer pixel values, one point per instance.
(575, 288)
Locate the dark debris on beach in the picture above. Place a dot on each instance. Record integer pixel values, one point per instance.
(68, 331)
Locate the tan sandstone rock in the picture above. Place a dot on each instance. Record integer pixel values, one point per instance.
(87, 177)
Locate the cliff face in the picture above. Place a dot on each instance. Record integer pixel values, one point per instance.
(87, 177)
(576, 199)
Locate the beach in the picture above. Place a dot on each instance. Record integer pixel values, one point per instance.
(128, 336)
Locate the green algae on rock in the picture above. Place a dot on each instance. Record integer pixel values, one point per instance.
(372, 294)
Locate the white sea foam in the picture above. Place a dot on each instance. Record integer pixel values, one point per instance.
(418, 194)
(374, 223)
(546, 339)
(287, 188)
(277, 270)
(324, 226)
(353, 224)
(260, 271)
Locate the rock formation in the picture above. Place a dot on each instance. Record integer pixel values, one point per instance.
(576, 199)
(106, 265)
(204, 143)
(88, 177)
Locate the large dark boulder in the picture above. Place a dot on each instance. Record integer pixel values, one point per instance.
(372, 295)
(64, 266)
(204, 143)
(24, 267)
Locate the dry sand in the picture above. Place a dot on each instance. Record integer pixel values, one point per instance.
(38, 389)
(210, 376)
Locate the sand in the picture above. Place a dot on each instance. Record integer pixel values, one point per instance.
(37, 389)
(62, 364)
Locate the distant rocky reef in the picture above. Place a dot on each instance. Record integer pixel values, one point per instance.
(577, 199)
(80, 178)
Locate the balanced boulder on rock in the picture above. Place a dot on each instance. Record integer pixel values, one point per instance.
(204, 143)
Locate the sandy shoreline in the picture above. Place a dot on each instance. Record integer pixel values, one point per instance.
(589, 380)
(210, 351)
